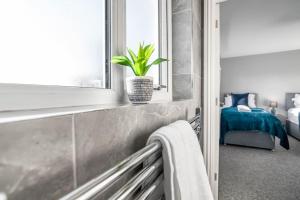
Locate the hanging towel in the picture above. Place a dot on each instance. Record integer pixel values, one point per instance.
(185, 176)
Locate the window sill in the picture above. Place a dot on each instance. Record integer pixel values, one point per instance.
(13, 116)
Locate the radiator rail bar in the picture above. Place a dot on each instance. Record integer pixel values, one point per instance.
(101, 183)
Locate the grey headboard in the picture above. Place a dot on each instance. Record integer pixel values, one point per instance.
(228, 93)
(288, 100)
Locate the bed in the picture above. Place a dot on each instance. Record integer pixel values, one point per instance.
(257, 128)
(293, 121)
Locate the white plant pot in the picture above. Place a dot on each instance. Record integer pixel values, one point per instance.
(139, 89)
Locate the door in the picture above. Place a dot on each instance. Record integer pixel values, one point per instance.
(211, 88)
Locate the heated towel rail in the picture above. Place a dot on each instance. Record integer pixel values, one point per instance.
(142, 185)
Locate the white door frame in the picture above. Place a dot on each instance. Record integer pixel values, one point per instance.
(211, 109)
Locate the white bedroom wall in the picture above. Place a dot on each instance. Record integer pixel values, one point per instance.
(251, 27)
(268, 75)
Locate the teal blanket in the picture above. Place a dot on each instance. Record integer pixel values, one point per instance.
(257, 119)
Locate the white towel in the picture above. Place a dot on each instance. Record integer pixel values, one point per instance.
(243, 108)
(185, 176)
(3, 196)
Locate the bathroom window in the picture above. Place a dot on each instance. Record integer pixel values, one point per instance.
(56, 53)
(146, 23)
(54, 43)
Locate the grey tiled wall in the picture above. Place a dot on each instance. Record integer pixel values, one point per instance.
(186, 25)
(47, 158)
(36, 158)
(197, 49)
(182, 52)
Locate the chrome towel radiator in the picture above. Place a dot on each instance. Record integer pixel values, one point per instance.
(142, 185)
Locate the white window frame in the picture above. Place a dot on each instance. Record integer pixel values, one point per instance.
(165, 51)
(165, 42)
(15, 97)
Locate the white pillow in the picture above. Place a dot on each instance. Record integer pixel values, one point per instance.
(243, 108)
(228, 101)
(251, 101)
(297, 100)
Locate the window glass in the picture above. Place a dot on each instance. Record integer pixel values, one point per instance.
(142, 25)
(53, 42)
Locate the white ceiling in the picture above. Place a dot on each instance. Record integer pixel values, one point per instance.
(250, 27)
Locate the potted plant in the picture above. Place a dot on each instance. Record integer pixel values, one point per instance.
(140, 86)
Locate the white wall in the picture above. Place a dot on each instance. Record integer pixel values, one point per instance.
(251, 27)
(269, 75)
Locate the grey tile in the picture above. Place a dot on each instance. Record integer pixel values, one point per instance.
(182, 59)
(197, 90)
(182, 43)
(154, 116)
(197, 38)
(181, 5)
(36, 158)
(182, 25)
(197, 11)
(104, 138)
(197, 54)
(101, 140)
(182, 87)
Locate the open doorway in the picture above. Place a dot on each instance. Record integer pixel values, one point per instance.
(259, 98)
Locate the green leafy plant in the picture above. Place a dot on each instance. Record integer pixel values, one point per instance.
(138, 63)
